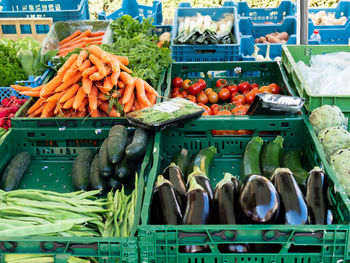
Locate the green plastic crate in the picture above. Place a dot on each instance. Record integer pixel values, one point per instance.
(21, 121)
(291, 55)
(53, 152)
(160, 243)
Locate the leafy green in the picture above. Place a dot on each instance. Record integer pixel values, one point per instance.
(10, 68)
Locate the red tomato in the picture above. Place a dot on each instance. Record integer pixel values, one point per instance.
(232, 88)
(221, 83)
(192, 98)
(213, 97)
(207, 109)
(224, 112)
(176, 90)
(239, 110)
(184, 93)
(179, 96)
(186, 84)
(224, 94)
(195, 89)
(265, 89)
(274, 88)
(239, 98)
(242, 87)
(177, 82)
(234, 95)
(254, 91)
(202, 98)
(214, 108)
(207, 91)
(202, 83)
(249, 97)
(254, 86)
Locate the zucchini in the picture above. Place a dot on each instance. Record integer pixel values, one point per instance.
(271, 156)
(292, 160)
(15, 171)
(137, 148)
(182, 160)
(106, 168)
(96, 181)
(203, 160)
(117, 139)
(81, 169)
(251, 159)
(125, 170)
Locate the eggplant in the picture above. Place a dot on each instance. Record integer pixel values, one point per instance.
(174, 174)
(197, 211)
(259, 201)
(316, 197)
(293, 206)
(203, 180)
(165, 208)
(330, 217)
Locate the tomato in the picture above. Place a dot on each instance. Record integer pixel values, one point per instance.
(192, 98)
(179, 96)
(221, 83)
(245, 92)
(208, 91)
(234, 95)
(202, 83)
(177, 82)
(214, 108)
(254, 86)
(176, 90)
(239, 110)
(207, 109)
(254, 91)
(245, 132)
(213, 97)
(224, 94)
(202, 98)
(239, 98)
(232, 88)
(249, 97)
(195, 89)
(224, 112)
(265, 89)
(205, 113)
(274, 88)
(186, 84)
(242, 87)
(184, 93)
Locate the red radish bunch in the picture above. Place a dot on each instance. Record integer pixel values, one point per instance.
(8, 108)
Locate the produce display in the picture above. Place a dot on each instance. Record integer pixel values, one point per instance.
(201, 30)
(8, 109)
(273, 38)
(321, 18)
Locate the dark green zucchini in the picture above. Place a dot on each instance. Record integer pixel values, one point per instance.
(271, 156)
(96, 181)
(15, 171)
(292, 160)
(203, 160)
(251, 159)
(182, 160)
(176, 177)
(105, 166)
(137, 148)
(125, 170)
(81, 169)
(117, 141)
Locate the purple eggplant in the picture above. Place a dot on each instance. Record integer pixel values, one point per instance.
(174, 174)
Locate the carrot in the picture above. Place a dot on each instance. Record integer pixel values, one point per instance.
(129, 104)
(73, 43)
(86, 64)
(51, 85)
(39, 110)
(24, 88)
(81, 57)
(121, 92)
(150, 89)
(58, 108)
(71, 72)
(112, 112)
(70, 93)
(97, 76)
(98, 42)
(95, 113)
(124, 67)
(67, 39)
(65, 51)
(114, 78)
(48, 109)
(55, 97)
(67, 65)
(98, 63)
(101, 54)
(125, 77)
(32, 115)
(114, 64)
(93, 39)
(120, 84)
(69, 83)
(96, 34)
(123, 60)
(69, 103)
(31, 93)
(86, 84)
(93, 98)
(83, 104)
(101, 96)
(140, 92)
(35, 106)
(107, 84)
(87, 72)
(137, 104)
(82, 113)
(128, 91)
(79, 97)
(82, 35)
(151, 97)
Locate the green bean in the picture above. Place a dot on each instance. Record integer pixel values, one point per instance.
(121, 215)
(73, 259)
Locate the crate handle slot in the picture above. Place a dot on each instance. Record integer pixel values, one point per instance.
(11, 249)
(317, 234)
(205, 51)
(291, 235)
(222, 234)
(56, 245)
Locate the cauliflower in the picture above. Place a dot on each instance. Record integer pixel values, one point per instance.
(327, 116)
(334, 139)
(341, 165)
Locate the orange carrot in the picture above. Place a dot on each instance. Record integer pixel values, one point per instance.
(55, 97)
(86, 64)
(101, 96)
(123, 60)
(73, 43)
(48, 109)
(87, 72)
(67, 65)
(93, 39)
(124, 67)
(150, 89)
(114, 78)
(86, 84)
(97, 76)
(140, 92)
(101, 54)
(121, 91)
(83, 104)
(58, 108)
(125, 77)
(99, 42)
(96, 34)
(32, 115)
(107, 84)
(69, 103)
(82, 113)
(112, 112)
(79, 97)
(120, 84)
(71, 72)
(70, 93)
(95, 113)
(137, 105)
(35, 106)
(81, 57)
(69, 83)
(65, 51)
(98, 63)
(128, 91)
(51, 86)
(82, 35)
(93, 98)
(31, 93)
(114, 64)
(67, 39)
(128, 105)
(24, 88)
(151, 97)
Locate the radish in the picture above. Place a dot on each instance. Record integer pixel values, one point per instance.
(12, 98)
(8, 123)
(14, 108)
(11, 115)
(18, 101)
(4, 112)
(2, 122)
(6, 102)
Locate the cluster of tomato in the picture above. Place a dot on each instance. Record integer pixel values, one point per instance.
(236, 99)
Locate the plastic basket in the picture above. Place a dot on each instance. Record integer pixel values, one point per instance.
(291, 55)
(52, 154)
(267, 15)
(330, 35)
(197, 53)
(300, 243)
(250, 31)
(138, 12)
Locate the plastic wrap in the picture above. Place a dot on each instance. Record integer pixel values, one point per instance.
(61, 30)
(272, 104)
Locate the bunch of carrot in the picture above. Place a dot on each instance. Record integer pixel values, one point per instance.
(79, 40)
(90, 83)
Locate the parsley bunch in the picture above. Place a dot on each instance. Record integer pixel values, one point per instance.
(10, 68)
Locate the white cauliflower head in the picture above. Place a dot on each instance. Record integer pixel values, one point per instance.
(341, 165)
(334, 139)
(327, 116)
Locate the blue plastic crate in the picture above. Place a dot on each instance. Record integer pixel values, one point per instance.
(198, 53)
(160, 29)
(331, 36)
(138, 12)
(262, 15)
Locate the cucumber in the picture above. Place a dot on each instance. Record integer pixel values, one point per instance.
(106, 168)
(15, 171)
(117, 139)
(81, 169)
(251, 159)
(137, 148)
(96, 181)
(292, 160)
(125, 170)
(203, 160)
(271, 156)
(182, 160)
